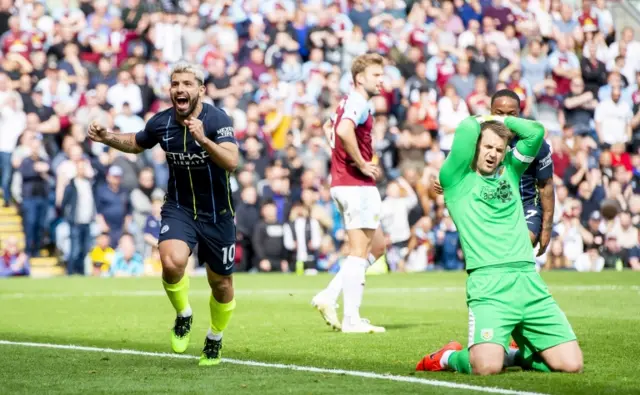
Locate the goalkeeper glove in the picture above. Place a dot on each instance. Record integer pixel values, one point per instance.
(486, 118)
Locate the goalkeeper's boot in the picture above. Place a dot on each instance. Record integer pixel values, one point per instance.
(328, 311)
(211, 353)
(431, 362)
(360, 325)
(181, 333)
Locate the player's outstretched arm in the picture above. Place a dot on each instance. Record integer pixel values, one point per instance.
(530, 137)
(463, 150)
(125, 142)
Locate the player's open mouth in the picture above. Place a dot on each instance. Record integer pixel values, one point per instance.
(182, 102)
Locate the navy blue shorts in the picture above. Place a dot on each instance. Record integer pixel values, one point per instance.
(533, 216)
(216, 241)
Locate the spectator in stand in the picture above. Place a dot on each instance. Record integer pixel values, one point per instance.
(303, 237)
(78, 206)
(590, 261)
(248, 215)
(126, 261)
(101, 256)
(268, 242)
(36, 178)
(394, 216)
(452, 110)
(141, 199)
(280, 73)
(152, 225)
(13, 262)
(616, 115)
(12, 124)
(113, 206)
(421, 247)
(579, 108)
(448, 242)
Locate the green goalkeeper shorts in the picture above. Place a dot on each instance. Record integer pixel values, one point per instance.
(512, 299)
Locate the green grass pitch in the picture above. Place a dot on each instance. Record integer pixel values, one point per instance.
(275, 324)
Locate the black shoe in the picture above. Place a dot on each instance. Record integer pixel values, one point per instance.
(211, 353)
(180, 334)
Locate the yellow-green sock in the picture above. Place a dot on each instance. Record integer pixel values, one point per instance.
(178, 294)
(220, 315)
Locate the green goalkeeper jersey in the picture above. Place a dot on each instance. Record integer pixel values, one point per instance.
(487, 211)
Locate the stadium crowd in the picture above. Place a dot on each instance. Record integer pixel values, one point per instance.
(279, 68)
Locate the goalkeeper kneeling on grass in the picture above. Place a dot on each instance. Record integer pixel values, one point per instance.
(505, 294)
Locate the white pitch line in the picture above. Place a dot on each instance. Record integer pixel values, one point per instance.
(311, 369)
(200, 292)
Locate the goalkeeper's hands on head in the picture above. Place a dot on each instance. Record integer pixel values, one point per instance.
(486, 118)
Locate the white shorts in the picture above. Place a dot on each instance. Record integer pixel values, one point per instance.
(359, 206)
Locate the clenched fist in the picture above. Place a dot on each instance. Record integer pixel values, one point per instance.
(97, 132)
(196, 129)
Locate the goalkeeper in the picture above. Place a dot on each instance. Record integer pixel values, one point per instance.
(505, 294)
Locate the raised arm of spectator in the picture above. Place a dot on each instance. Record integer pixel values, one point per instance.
(412, 199)
(505, 74)
(587, 237)
(24, 64)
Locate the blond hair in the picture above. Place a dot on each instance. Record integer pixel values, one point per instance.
(361, 63)
(185, 67)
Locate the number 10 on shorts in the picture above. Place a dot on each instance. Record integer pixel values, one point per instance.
(228, 254)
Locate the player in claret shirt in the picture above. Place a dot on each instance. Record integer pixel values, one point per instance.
(353, 188)
(201, 152)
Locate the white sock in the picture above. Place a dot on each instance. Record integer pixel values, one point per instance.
(510, 358)
(332, 292)
(444, 362)
(214, 336)
(353, 287)
(186, 312)
(372, 259)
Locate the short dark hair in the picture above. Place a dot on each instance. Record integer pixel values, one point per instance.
(505, 93)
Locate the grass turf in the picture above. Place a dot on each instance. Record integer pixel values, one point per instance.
(274, 323)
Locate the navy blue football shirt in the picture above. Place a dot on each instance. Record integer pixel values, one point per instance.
(196, 183)
(540, 169)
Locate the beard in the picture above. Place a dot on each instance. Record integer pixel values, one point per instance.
(185, 113)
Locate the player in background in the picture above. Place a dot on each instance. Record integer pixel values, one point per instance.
(326, 301)
(201, 152)
(353, 188)
(505, 294)
(536, 184)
